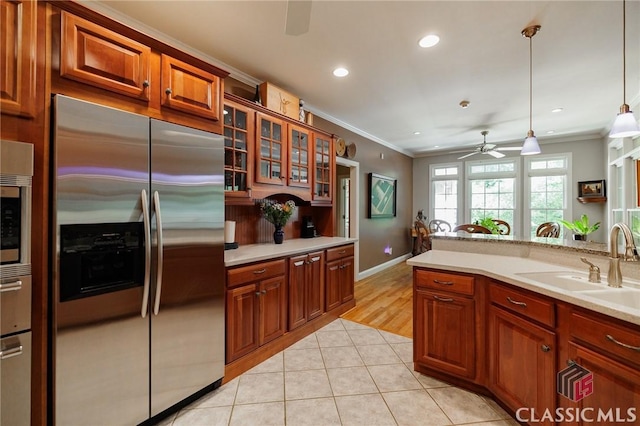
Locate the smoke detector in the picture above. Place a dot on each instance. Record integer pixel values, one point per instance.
(464, 104)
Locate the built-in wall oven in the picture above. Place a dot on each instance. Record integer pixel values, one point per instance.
(16, 173)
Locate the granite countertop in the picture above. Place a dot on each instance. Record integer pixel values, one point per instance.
(508, 268)
(257, 252)
(589, 247)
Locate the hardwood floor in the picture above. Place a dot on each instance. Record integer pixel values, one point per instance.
(385, 301)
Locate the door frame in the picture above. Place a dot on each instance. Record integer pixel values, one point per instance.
(354, 207)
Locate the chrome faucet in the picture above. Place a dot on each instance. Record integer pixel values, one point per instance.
(614, 277)
(594, 271)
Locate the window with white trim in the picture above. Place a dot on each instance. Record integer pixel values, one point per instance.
(445, 184)
(492, 190)
(547, 190)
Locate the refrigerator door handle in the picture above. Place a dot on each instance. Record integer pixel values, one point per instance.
(147, 253)
(156, 206)
(11, 352)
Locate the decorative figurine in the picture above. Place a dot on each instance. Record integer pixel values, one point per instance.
(302, 115)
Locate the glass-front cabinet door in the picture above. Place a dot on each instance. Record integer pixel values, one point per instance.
(299, 156)
(238, 133)
(323, 168)
(271, 150)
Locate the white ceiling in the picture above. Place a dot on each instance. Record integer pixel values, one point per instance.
(396, 88)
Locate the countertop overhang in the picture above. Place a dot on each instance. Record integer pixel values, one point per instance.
(508, 268)
(256, 252)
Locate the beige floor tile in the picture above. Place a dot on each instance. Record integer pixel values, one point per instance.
(328, 339)
(404, 351)
(213, 416)
(427, 382)
(498, 409)
(308, 342)
(346, 356)
(394, 338)
(415, 407)
(337, 325)
(167, 421)
(306, 384)
(509, 422)
(272, 365)
(352, 325)
(366, 337)
(264, 387)
(266, 414)
(223, 396)
(394, 377)
(361, 410)
(351, 381)
(303, 359)
(312, 412)
(462, 406)
(378, 354)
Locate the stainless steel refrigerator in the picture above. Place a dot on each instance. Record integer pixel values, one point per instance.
(138, 267)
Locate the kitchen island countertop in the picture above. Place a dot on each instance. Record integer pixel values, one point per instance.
(256, 252)
(508, 269)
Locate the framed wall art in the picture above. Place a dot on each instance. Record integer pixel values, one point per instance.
(592, 188)
(382, 196)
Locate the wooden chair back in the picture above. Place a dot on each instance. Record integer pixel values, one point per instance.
(438, 225)
(472, 229)
(503, 227)
(548, 229)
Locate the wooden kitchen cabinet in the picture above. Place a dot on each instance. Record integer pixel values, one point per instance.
(94, 55)
(239, 137)
(521, 361)
(323, 169)
(256, 306)
(445, 318)
(271, 150)
(18, 57)
(190, 89)
(300, 152)
(339, 276)
(306, 288)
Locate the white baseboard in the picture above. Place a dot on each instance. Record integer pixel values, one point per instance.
(383, 266)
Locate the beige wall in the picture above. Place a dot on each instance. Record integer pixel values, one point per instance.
(376, 234)
(587, 164)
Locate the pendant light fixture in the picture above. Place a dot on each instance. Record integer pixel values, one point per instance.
(625, 125)
(530, 146)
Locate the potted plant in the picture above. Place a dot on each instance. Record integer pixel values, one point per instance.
(580, 227)
(488, 223)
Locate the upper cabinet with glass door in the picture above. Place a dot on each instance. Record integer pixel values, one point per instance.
(238, 130)
(299, 156)
(323, 168)
(271, 150)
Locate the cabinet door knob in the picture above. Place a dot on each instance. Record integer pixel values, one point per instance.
(545, 348)
(167, 90)
(257, 293)
(145, 83)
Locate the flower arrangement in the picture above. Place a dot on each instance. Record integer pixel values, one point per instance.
(277, 213)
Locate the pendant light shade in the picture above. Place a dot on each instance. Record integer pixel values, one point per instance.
(530, 146)
(625, 125)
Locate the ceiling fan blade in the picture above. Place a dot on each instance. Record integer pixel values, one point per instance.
(488, 146)
(298, 17)
(509, 148)
(495, 154)
(468, 155)
(463, 150)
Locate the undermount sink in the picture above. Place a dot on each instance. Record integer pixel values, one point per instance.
(573, 281)
(629, 297)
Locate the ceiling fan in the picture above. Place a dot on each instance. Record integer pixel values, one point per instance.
(487, 148)
(298, 17)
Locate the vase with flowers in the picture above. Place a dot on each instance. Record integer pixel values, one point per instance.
(278, 214)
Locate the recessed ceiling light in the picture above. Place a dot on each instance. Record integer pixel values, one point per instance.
(429, 41)
(416, 133)
(341, 72)
(436, 146)
(557, 110)
(550, 132)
